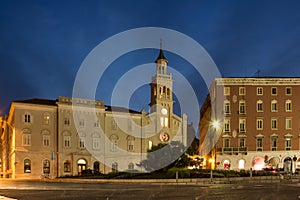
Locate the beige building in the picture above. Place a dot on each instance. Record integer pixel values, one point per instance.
(251, 123)
(65, 136)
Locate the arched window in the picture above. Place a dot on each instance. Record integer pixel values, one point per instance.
(27, 166)
(114, 142)
(81, 164)
(130, 143)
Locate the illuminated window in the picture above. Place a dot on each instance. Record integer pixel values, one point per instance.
(259, 91)
(46, 119)
(27, 166)
(259, 124)
(164, 122)
(150, 143)
(288, 143)
(259, 106)
(227, 91)
(242, 164)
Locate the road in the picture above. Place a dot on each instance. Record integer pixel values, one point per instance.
(36, 190)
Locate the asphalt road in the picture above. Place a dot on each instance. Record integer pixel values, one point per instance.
(55, 190)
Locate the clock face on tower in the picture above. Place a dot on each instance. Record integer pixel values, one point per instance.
(164, 111)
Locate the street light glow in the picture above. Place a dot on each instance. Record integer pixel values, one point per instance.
(216, 124)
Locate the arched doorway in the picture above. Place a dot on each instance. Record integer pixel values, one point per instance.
(226, 164)
(81, 164)
(287, 165)
(274, 162)
(96, 167)
(258, 163)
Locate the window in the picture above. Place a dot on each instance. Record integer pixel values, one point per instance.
(46, 119)
(274, 91)
(242, 142)
(67, 121)
(130, 143)
(96, 124)
(274, 143)
(114, 142)
(114, 167)
(288, 105)
(26, 139)
(150, 144)
(242, 107)
(242, 125)
(164, 122)
(288, 90)
(274, 106)
(288, 143)
(114, 125)
(27, 166)
(227, 91)
(46, 167)
(226, 142)
(81, 143)
(259, 106)
(131, 166)
(259, 144)
(288, 123)
(259, 124)
(27, 118)
(242, 91)
(259, 91)
(67, 141)
(67, 166)
(46, 140)
(227, 107)
(226, 125)
(81, 122)
(274, 124)
(96, 141)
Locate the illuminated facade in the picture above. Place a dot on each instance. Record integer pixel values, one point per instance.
(259, 124)
(66, 136)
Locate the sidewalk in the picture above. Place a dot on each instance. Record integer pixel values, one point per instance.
(188, 181)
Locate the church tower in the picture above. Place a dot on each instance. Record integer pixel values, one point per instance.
(161, 91)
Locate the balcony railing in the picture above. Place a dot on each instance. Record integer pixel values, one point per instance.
(232, 150)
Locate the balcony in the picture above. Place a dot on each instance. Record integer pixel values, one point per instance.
(232, 150)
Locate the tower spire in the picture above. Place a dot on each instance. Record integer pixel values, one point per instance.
(161, 55)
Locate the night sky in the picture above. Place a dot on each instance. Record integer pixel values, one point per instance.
(43, 43)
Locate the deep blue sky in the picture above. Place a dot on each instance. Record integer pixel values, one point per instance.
(43, 43)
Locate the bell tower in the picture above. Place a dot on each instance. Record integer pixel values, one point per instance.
(161, 90)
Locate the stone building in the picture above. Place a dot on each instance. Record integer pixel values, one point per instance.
(66, 136)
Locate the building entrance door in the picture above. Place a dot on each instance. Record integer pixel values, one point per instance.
(81, 163)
